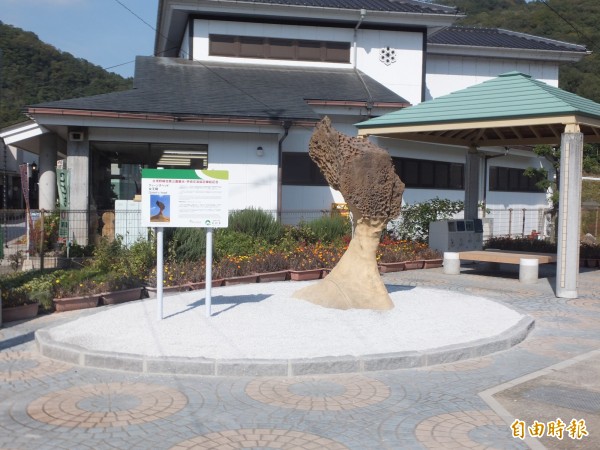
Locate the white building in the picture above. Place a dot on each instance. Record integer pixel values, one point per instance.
(240, 85)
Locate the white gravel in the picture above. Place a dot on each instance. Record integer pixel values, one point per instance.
(263, 321)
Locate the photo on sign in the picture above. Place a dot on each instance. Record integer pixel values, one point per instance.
(160, 208)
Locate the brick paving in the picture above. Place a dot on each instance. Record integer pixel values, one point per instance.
(45, 404)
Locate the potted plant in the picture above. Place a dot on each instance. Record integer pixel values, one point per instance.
(16, 305)
(119, 289)
(305, 263)
(431, 258)
(270, 265)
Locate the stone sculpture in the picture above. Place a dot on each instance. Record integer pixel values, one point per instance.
(365, 176)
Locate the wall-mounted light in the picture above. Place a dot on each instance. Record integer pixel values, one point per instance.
(260, 151)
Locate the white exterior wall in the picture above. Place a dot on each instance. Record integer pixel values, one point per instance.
(184, 50)
(403, 77)
(252, 178)
(449, 73)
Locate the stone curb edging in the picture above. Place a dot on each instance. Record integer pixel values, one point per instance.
(74, 354)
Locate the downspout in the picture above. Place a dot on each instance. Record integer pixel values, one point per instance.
(363, 13)
(286, 128)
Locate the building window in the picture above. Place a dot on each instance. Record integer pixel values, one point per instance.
(274, 48)
(422, 173)
(509, 179)
(299, 170)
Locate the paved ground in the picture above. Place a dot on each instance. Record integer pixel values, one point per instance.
(550, 379)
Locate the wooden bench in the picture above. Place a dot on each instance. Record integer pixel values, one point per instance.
(528, 262)
(507, 257)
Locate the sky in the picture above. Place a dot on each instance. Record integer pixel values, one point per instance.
(101, 31)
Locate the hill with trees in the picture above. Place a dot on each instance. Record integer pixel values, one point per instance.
(574, 21)
(34, 72)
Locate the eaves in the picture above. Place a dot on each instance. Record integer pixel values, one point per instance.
(506, 53)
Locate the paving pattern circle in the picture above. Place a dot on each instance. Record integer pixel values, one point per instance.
(456, 430)
(563, 347)
(463, 366)
(586, 303)
(21, 366)
(259, 438)
(107, 405)
(319, 394)
(562, 319)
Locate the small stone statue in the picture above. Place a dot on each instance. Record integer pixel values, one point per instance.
(365, 176)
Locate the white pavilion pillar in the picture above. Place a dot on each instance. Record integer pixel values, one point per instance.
(472, 173)
(78, 164)
(47, 168)
(569, 212)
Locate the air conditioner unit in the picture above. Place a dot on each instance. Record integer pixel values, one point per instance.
(456, 235)
(76, 136)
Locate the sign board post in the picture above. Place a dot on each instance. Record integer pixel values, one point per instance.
(184, 198)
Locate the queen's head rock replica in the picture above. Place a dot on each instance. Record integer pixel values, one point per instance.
(365, 176)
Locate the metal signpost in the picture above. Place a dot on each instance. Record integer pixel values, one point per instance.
(184, 198)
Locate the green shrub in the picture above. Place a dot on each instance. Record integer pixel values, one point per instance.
(188, 244)
(302, 234)
(330, 229)
(229, 242)
(257, 223)
(520, 244)
(138, 259)
(414, 220)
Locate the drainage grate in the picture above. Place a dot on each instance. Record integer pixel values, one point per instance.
(576, 399)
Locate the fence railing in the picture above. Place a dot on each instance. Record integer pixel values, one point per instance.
(22, 239)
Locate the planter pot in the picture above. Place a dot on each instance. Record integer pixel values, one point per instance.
(412, 265)
(303, 275)
(21, 312)
(246, 279)
(127, 295)
(273, 276)
(73, 303)
(202, 284)
(391, 267)
(432, 263)
(151, 290)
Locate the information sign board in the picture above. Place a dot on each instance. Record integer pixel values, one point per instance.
(185, 198)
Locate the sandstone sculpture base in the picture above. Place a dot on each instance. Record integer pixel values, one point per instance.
(355, 281)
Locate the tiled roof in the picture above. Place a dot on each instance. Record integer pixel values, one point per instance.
(182, 87)
(408, 6)
(499, 38)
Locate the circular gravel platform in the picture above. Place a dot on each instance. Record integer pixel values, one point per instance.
(259, 329)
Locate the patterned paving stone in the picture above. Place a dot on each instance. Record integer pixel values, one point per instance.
(567, 320)
(560, 347)
(319, 393)
(21, 365)
(458, 429)
(107, 405)
(586, 303)
(259, 438)
(464, 366)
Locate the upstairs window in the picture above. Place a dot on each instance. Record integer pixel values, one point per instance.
(275, 48)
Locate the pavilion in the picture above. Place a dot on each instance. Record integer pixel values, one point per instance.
(510, 110)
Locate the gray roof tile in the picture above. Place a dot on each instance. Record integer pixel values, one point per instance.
(408, 6)
(499, 38)
(182, 87)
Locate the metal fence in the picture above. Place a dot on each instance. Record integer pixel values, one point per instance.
(21, 239)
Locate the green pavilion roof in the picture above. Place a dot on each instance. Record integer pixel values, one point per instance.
(509, 107)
